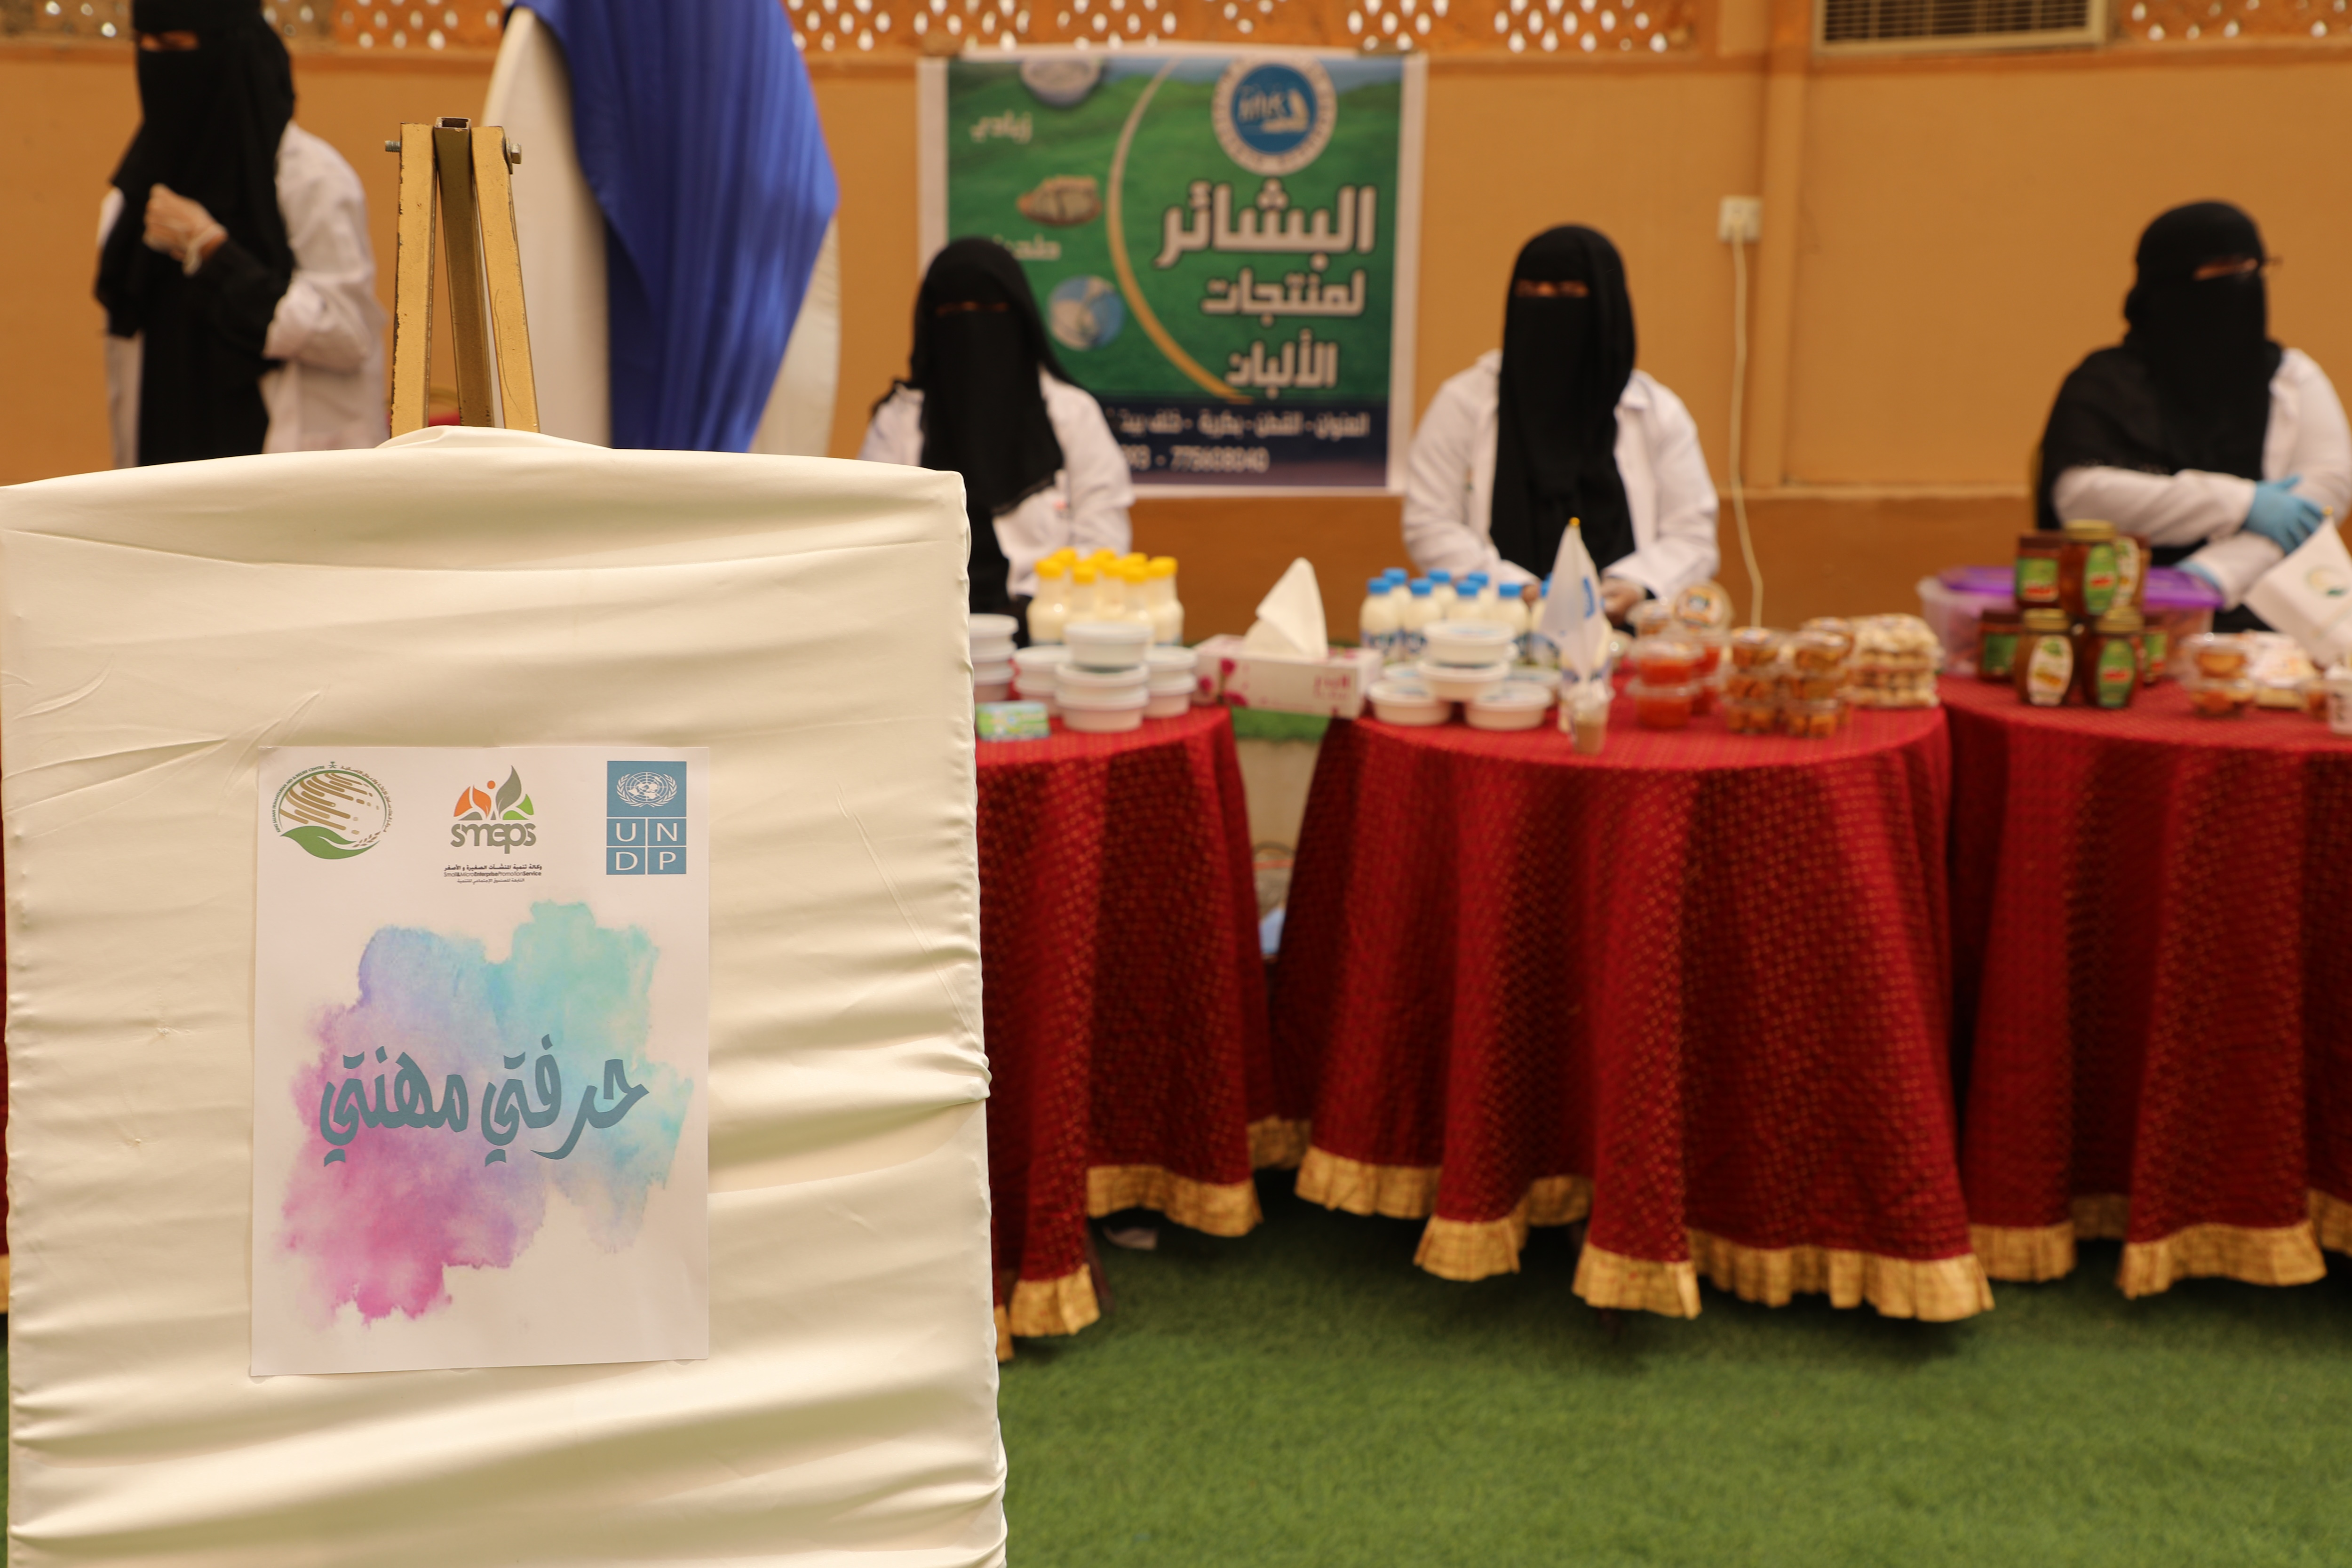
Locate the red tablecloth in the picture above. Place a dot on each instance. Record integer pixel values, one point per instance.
(1696, 986)
(2152, 922)
(1124, 998)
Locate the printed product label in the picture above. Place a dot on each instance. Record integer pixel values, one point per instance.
(2000, 654)
(2099, 578)
(2128, 568)
(2050, 671)
(2155, 647)
(2037, 580)
(2118, 670)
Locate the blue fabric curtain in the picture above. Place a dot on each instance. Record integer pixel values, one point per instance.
(698, 135)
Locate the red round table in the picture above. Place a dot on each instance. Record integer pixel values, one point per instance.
(1695, 987)
(2152, 934)
(1124, 999)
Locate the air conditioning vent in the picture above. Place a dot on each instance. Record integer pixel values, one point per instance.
(1903, 26)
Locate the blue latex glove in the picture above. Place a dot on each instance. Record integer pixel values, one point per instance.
(2286, 521)
(2206, 577)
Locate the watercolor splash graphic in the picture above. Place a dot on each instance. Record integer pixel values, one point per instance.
(412, 1197)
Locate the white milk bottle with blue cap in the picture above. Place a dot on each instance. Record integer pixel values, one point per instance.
(1376, 623)
(1509, 612)
(1442, 593)
(1539, 649)
(1420, 610)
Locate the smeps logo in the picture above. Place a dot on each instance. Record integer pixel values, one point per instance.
(500, 821)
(333, 813)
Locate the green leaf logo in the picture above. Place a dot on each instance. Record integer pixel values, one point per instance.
(325, 842)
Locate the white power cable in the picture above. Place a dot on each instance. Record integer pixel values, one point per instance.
(1739, 402)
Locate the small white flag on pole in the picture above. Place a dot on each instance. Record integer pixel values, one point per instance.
(1572, 616)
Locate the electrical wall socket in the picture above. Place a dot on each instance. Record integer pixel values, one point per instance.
(1740, 220)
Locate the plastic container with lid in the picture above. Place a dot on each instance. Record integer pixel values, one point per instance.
(1750, 715)
(992, 650)
(1711, 649)
(1462, 683)
(1666, 706)
(1894, 664)
(2217, 656)
(2045, 658)
(1817, 651)
(1815, 720)
(2037, 569)
(1466, 643)
(2106, 658)
(1650, 619)
(1665, 661)
(1106, 644)
(2133, 559)
(1833, 626)
(1104, 718)
(2086, 570)
(1997, 635)
(1704, 606)
(1403, 700)
(1753, 647)
(1159, 704)
(1755, 684)
(1376, 621)
(2218, 696)
(1514, 705)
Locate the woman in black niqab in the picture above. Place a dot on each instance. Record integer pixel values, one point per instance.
(1567, 353)
(2190, 385)
(979, 346)
(213, 118)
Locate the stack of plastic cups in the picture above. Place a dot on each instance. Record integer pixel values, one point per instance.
(1033, 674)
(991, 657)
(1104, 684)
(1172, 682)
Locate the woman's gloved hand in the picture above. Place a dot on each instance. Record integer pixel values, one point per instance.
(2286, 521)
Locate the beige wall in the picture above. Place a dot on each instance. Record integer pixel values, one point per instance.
(1962, 234)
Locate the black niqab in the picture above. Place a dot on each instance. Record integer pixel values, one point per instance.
(212, 120)
(1565, 362)
(2190, 386)
(979, 346)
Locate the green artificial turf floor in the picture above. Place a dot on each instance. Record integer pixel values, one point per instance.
(1305, 1395)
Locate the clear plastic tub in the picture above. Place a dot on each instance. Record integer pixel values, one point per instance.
(2214, 657)
(1751, 715)
(2218, 697)
(1106, 644)
(1650, 617)
(1813, 720)
(1818, 650)
(1667, 660)
(1663, 707)
(1833, 626)
(1755, 647)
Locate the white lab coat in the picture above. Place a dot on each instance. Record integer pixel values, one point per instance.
(1449, 487)
(327, 392)
(1085, 506)
(2308, 435)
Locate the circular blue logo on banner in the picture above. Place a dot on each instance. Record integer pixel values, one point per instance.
(1274, 116)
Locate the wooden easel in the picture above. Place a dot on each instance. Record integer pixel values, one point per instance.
(462, 170)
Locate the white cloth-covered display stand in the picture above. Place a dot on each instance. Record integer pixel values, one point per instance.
(803, 619)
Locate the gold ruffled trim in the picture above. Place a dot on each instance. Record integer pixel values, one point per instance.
(1039, 1306)
(1400, 1192)
(1004, 1335)
(1276, 1145)
(1613, 1280)
(2288, 1255)
(1228, 1208)
(1477, 1249)
(2103, 1216)
(2331, 1225)
(2025, 1255)
(1936, 1290)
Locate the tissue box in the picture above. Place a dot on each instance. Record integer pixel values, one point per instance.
(1333, 686)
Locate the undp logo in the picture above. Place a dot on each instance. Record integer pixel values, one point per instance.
(1274, 116)
(645, 819)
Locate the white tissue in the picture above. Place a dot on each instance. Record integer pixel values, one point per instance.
(1289, 622)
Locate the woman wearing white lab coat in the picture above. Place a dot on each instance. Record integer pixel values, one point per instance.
(234, 256)
(1559, 424)
(984, 396)
(2222, 449)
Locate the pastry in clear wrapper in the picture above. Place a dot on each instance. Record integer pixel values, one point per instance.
(1836, 627)
(1751, 715)
(1755, 646)
(1894, 662)
(1813, 720)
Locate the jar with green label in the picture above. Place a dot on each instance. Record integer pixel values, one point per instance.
(2037, 569)
(2087, 579)
(1996, 632)
(2107, 659)
(2045, 658)
(2132, 561)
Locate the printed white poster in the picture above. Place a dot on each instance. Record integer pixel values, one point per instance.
(481, 1042)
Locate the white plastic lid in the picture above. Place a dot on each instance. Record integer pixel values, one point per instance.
(1401, 690)
(993, 626)
(1165, 656)
(1040, 659)
(1516, 695)
(1071, 678)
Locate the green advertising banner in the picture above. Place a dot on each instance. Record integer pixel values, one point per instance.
(1223, 244)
